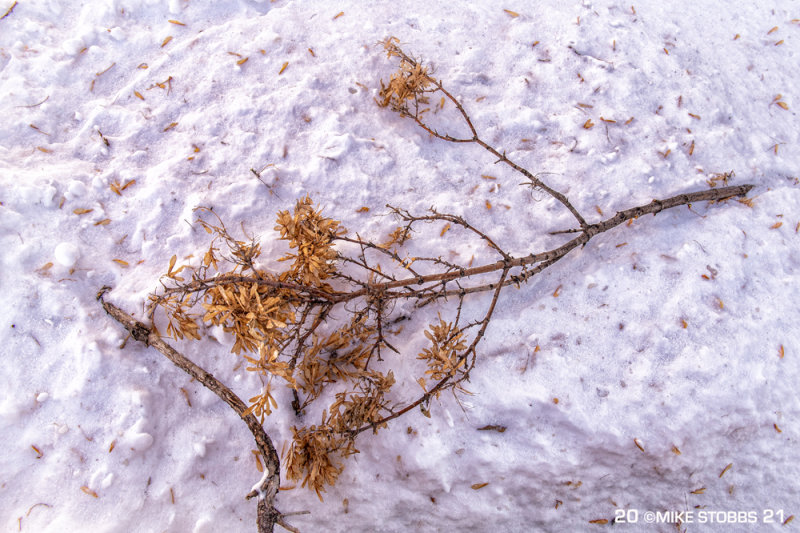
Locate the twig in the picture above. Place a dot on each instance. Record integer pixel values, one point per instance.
(501, 157)
(548, 257)
(268, 515)
(654, 207)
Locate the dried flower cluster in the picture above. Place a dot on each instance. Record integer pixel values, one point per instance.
(311, 235)
(282, 327)
(444, 355)
(409, 83)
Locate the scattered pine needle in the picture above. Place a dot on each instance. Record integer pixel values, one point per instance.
(34, 126)
(97, 74)
(286, 64)
(10, 9)
(493, 427)
(89, 491)
(186, 396)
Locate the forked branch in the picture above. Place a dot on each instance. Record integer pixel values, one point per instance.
(408, 94)
(328, 316)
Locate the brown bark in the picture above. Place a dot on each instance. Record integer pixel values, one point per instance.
(268, 515)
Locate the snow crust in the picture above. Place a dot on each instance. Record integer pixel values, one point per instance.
(669, 353)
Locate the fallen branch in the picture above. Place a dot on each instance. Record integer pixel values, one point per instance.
(327, 317)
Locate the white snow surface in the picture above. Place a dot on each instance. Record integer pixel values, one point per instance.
(678, 333)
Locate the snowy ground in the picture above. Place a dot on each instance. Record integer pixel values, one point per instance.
(677, 334)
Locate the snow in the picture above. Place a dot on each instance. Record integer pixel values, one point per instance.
(639, 356)
(67, 254)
